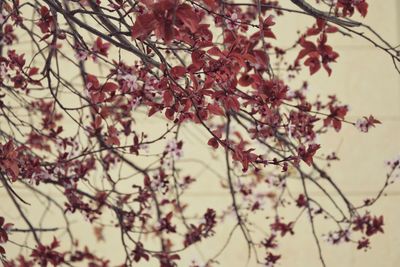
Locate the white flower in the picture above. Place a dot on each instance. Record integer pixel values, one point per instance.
(3, 70)
(290, 93)
(362, 125)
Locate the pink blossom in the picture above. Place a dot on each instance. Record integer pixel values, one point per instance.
(233, 22)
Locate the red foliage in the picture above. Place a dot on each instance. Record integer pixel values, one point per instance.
(101, 115)
(43, 254)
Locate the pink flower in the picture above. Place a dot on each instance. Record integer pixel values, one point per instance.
(174, 148)
(361, 125)
(81, 54)
(365, 123)
(233, 22)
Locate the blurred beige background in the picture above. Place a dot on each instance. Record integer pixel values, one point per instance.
(364, 78)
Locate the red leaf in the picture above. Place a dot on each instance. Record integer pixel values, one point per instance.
(246, 80)
(211, 3)
(261, 58)
(92, 83)
(198, 61)
(169, 113)
(313, 63)
(215, 51)
(12, 168)
(362, 7)
(307, 155)
(33, 71)
(153, 110)
(337, 124)
(164, 30)
(189, 18)
(97, 122)
(168, 98)
(3, 236)
(174, 257)
(232, 103)
(269, 21)
(112, 138)
(216, 109)
(109, 87)
(143, 26)
(100, 47)
(178, 71)
(55, 243)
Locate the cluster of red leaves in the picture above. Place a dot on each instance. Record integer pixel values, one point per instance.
(92, 259)
(283, 228)
(318, 53)
(44, 254)
(13, 69)
(368, 225)
(304, 125)
(139, 253)
(49, 120)
(46, 22)
(100, 93)
(347, 7)
(301, 201)
(20, 261)
(232, 80)
(307, 154)
(165, 224)
(4, 228)
(271, 259)
(243, 155)
(163, 17)
(100, 47)
(203, 230)
(9, 155)
(269, 244)
(8, 36)
(166, 259)
(336, 116)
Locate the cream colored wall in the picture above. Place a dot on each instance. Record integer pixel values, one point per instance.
(365, 79)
